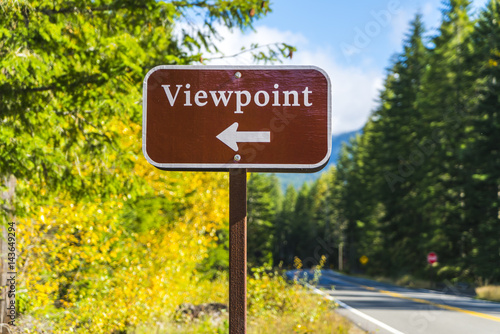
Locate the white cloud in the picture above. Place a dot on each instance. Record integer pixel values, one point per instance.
(354, 91)
(400, 26)
(428, 9)
(234, 41)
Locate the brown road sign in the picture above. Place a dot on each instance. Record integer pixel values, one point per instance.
(266, 118)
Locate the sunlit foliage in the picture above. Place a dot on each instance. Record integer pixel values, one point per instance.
(105, 241)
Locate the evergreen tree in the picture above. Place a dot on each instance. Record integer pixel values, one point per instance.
(323, 218)
(355, 204)
(303, 217)
(445, 100)
(283, 251)
(395, 155)
(264, 200)
(482, 154)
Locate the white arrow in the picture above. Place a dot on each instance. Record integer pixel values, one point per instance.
(231, 137)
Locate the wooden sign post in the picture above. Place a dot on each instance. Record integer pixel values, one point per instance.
(237, 119)
(237, 251)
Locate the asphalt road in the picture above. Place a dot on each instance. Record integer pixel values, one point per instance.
(382, 308)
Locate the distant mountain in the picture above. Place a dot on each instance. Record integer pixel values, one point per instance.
(298, 179)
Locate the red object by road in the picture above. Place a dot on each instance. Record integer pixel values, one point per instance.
(432, 258)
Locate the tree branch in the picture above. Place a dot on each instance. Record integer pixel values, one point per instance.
(245, 51)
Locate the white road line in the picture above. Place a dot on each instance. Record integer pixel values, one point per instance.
(353, 310)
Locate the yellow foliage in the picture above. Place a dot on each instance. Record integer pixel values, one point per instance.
(79, 256)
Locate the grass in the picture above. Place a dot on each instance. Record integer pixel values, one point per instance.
(199, 326)
(489, 292)
(406, 281)
(312, 315)
(409, 281)
(274, 306)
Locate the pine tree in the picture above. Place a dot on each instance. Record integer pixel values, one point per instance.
(483, 152)
(302, 228)
(445, 100)
(283, 252)
(395, 134)
(264, 200)
(356, 202)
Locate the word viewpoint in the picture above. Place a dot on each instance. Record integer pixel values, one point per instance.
(243, 97)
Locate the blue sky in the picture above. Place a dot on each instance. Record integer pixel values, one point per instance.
(352, 40)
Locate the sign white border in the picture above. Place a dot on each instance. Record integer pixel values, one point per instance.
(235, 165)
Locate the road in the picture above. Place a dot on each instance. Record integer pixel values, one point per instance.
(382, 308)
